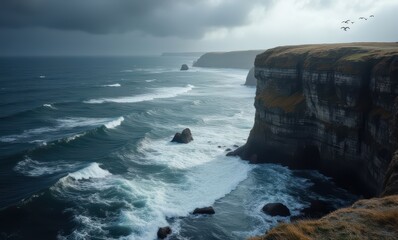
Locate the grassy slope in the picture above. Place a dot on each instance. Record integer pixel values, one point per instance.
(375, 218)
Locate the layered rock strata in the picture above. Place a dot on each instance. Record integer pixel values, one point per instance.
(328, 107)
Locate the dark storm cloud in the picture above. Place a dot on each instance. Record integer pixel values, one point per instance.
(182, 18)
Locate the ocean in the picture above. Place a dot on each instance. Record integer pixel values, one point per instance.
(85, 152)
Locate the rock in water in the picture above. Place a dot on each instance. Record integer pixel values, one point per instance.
(184, 67)
(205, 210)
(163, 232)
(276, 209)
(184, 137)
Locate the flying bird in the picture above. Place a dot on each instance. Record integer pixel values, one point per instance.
(346, 21)
(345, 28)
(372, 16)
(352, 22)
(363, 18)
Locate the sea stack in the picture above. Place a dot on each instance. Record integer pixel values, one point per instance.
(184, 137)
(184, 67)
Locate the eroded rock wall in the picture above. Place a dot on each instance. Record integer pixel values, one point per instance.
(327, 107)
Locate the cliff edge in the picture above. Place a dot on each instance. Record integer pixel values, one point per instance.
(328, 107)
(234, 59)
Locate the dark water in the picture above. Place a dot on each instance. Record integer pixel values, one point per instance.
(85, 152)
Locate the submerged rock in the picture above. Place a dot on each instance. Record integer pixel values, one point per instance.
(184, 67)
(205, 210)
(276, 209)
(163, 232)
(184, 137)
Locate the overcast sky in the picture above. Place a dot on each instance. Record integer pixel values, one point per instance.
(141, 27)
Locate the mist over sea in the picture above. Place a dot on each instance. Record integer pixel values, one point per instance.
(85, 152)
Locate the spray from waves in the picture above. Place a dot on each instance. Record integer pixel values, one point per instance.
(114, 123)
(92, 171)
(112, 85)
(58, 130)
(145, 202)
(167, 92)
(33, 168)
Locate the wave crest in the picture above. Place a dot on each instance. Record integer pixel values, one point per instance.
(168, 92)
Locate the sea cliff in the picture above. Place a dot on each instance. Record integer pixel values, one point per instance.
(328, 107)
(334, 108)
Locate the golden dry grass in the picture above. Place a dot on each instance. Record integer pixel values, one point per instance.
(375, 218)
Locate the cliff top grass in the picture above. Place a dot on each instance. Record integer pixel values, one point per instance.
(375, 218)
(326, 56)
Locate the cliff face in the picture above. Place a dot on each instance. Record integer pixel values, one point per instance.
(251, 80)
(328, 107)
(235, 59)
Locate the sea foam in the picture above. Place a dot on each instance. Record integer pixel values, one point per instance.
(112, 85)
(167, 92)
(34, 168)
(114, 123)
(92, 171)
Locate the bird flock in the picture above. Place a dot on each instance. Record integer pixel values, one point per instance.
(345, 28)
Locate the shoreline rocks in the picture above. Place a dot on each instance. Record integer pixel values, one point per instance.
(163, 232)
(316, 210)
(184, 137)
(276, 209)
(205, 210)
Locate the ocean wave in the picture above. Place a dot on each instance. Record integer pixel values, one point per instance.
(167, 92)
(66, 124)
(74, 137)
(112, 85)
(92, 171)
(33, 168)
(150, 80)
(47, 105)
(114, 123)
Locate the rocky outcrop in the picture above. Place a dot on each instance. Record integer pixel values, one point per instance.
(276, 209)
(317, 209)
(375, 218)
(184, 137)
(235, 59)
(184, 67)
(163, 232)
(205, 210)
(250, 78)
(327, 107)
(391, 179)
